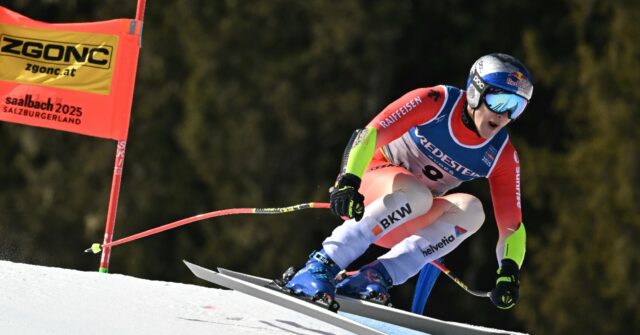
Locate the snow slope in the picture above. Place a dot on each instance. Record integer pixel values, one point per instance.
(44, 300)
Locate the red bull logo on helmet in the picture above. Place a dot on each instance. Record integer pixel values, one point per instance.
(517, 79)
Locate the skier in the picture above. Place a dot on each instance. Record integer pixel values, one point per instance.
(395, 174)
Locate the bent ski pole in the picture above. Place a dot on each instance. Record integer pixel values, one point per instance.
(97, 247)
(446, 271)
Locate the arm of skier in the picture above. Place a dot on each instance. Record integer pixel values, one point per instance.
(505, 194)
(415, 107)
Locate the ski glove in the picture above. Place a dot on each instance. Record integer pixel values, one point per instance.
(505, 295)
(346, 201)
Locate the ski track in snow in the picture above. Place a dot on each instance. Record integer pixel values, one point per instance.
(45, 300)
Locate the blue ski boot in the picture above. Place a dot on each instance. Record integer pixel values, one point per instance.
(316, 281)
(372, 282)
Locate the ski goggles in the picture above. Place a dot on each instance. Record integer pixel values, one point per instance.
(502, 102)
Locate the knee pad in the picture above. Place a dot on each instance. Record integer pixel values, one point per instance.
(418, 195)
(468, 212)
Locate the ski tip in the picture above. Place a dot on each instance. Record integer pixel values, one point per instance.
(95, 248)
(190, 265)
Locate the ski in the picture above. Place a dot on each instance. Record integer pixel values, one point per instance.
(386, 314)
(281, 299)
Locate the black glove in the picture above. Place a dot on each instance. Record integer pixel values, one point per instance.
(505, 295)
(345, 198)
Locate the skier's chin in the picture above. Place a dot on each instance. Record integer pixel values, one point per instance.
(487, 132)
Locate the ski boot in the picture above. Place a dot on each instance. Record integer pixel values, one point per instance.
(315, 282)
(371, 282)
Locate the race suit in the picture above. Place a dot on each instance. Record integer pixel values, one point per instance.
(423, 132)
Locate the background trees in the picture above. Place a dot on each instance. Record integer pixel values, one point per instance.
(245, 104)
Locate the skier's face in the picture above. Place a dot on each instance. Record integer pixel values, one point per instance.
(487, 122)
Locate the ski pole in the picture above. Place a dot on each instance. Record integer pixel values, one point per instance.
(446, 271)
(97, 247)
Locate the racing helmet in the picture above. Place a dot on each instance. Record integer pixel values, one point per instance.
(502, 82)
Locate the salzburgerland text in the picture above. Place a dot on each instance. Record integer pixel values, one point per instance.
(45, 110)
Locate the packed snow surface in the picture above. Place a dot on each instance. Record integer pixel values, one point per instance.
(44, 300)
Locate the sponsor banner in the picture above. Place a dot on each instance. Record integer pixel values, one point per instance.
(76, 77)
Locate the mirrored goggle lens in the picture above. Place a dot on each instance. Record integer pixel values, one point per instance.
(500, 103)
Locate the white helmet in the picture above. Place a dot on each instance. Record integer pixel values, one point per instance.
(497, 74)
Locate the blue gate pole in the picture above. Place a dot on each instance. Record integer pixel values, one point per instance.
(426, 281)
